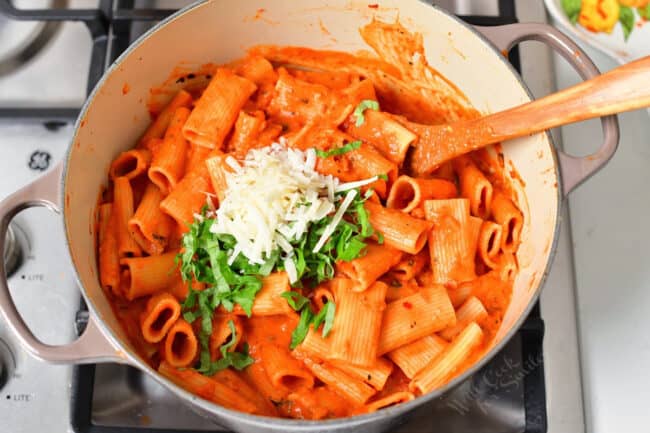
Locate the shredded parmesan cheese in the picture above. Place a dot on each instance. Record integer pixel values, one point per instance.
(356, 184)
(271, 198)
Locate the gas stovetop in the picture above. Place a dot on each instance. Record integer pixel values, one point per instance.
(533, 380)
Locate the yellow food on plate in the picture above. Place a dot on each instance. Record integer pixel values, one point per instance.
(599, 15)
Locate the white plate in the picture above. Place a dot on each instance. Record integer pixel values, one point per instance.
(613, 44)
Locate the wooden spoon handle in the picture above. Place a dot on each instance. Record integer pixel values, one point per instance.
(622, 89)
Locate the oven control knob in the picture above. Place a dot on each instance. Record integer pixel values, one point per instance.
(6, 363)
(12, 254)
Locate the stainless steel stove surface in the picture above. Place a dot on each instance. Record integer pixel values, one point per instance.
(529, 387)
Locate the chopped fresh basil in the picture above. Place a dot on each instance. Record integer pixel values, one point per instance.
(347, 242)
(298, 335)
(353, 145)
(205, 258)
(295, 300)
(366, 104)
(237, 360)
(324, 317)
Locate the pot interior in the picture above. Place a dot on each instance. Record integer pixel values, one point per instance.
(217, 31)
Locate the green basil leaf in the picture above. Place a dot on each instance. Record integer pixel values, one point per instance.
(366, 104)
(190, 300)
(295, 300)
(298, 335)
(627, 19)
(240, 360)
(353, 145)
(237, 360)
(572, 9)
(190, 316)
(363, 218)
(233, 339)
(329, 317)
(270, 263)
(320, 317)
(353, 249)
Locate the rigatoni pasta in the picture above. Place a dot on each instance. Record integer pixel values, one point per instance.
(414, 317)
(109, 257)
(149, 275)
(161, 313)
(150, 227)
(217, 109)
(439, 370)
(168, 165)
(400, 231)
(355, 334)
(123, 209)
(413, 357)
(272, 246)
(181, 346)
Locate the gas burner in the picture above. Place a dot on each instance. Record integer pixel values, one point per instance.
(21, 41)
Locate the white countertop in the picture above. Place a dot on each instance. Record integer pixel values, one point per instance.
(611, 240)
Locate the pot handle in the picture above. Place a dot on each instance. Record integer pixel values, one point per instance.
(575, 170)
(92, 346)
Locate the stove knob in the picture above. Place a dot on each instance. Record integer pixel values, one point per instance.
(12, 253)
(6, 363)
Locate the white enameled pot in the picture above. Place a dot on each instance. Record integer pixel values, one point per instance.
(218, 31)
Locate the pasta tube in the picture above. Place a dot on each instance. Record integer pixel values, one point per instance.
(489, 243)
(367, 269)
(159, 125)
(354, 390)
(440, 369)
(188, 198)
(511, 219)
(109, 258)
(207, 388)
(149, 226)
(400, 231)
(385, 134)
(472, 310)
(390, 400)
(217, 109)
(168, 165)
(355, 334)
(181, 345)
(408, 193)
(148, 275)
(160, 314)
(130, 164)
(414, 317)
(284, 370)
(123, 208)
(413, 357)
(474, 186)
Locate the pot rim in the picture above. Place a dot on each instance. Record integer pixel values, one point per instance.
(288, 423)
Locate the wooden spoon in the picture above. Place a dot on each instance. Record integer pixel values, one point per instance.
(622, 89)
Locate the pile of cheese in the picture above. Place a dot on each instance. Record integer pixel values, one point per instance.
(272, 197)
